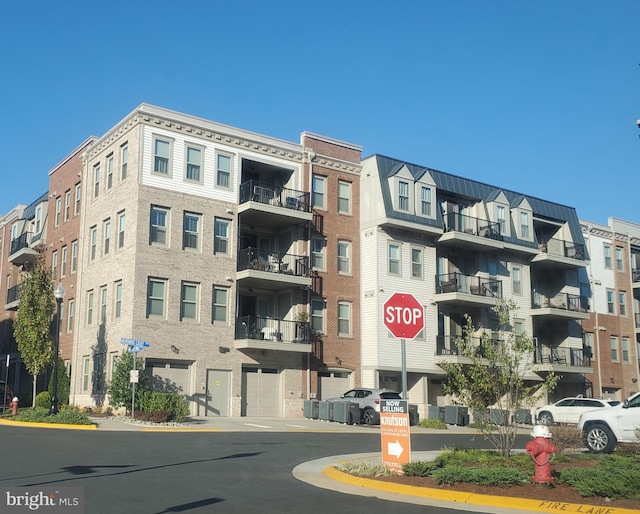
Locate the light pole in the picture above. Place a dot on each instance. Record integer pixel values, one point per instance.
(58, 292)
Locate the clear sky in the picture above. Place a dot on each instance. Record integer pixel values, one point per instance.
(536, 96)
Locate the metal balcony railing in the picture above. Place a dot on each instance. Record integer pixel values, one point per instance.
(562, 248)
(275, 330)
(468, 284)
(448, 345)
(13, 293)
(273, 262)
(635, 275)
(20, 242)
(254, 191)
(562, 357)
(469, 225)
(636, 317)
(562, 301)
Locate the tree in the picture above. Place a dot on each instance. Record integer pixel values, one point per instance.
(32, 327)
(495, 375)
(63, 383)
(120, 388)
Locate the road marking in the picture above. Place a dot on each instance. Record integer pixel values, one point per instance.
(257, 426)
(296, 426)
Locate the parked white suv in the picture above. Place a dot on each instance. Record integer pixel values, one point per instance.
(603, 428)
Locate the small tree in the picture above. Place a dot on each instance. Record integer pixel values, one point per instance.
(63, 383)
(32, 327)
(120, 388)
(494, 375)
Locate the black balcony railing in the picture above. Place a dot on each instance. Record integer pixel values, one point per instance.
(468, 284)
(13, 293)
(20, 242)
(635, 274)
(562, 248)
(449, 345)
(636, 317)
(562, 357)
(455, 222)
(275, 330)
(562, 301)
(254, 191)
(273, 262)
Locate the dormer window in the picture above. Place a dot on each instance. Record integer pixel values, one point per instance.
(501, 217)
(425, 201)
(524, 225)
(403, 195)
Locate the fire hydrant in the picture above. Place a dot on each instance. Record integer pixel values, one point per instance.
(541, 450)
(14, 406)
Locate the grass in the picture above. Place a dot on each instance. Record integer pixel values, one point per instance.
(66, 416)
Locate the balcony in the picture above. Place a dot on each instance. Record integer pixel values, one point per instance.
(447, 348)
(267, 205)
(13, 298)
(569, 360)
(559, 254)
(21, 250)
(272, 270)
(636, 318)
(560, 305)
(471, 233)
(272, 334)
(470, 289)
(635, 276)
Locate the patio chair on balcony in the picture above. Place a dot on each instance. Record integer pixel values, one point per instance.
(555, 357)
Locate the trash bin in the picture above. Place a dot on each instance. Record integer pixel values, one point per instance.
(325, 411)
(435, 412)
(523, 416)
(414, 415)
(456, 415)
(340, 412)
(310, 409)
(499, 417)
(354, 414)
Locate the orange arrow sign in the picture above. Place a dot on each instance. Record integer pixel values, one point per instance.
(395, 434)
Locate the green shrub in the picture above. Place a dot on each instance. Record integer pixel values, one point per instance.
(605, 481)
(43, 400)
(66, 416)
(433, 423)
(492, 476)
(419, 469)
(173, 403)
(63, 384)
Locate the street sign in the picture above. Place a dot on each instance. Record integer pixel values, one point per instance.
(134, 376)
(134, 345)
(395, 434)
(403, 315)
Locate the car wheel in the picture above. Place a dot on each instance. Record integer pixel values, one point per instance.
(545, 418)
(599, 439)
(369, 416)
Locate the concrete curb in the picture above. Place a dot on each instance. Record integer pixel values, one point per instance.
(47, 425)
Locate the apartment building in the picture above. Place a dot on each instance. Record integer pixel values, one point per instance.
(196, 240)
(612, 333)
(460, 246)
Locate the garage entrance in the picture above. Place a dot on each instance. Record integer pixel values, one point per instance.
(169, 376)
(260, 392)
(332, 384)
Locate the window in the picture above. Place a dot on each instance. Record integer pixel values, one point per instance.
(403, 195)
(124, 161)
(220, 304)
(161, 156)
(117, 304)
(38, 220)
(416, 263)
(156, 297)
(110, 171)
(524, 225)
(76, 205)
(67, 205)
(622, 303)
(587, 344)
(607, 256)
(344, 318)
(610, 306)
(103, 304)
(317, 253)
(189, 301)
(93, 237)
(518, 328)
(223, 170)
(221, 236)
(106, 230)
(159, 219)
(317, 315)
(194, 163)
(58, 211)
(191, 227)
(63, 263)
(516, 280)
(121, 226)
(394, 259)
(344, 197)
(71, 308)
(344, 257)
(85, 373)
(425, 201)
(96, 181)
(319, 191)
(501, 218)
(614, 349)
(625, 349)
(74, 256)
(54, 265)
(619, 264)
(89, 307)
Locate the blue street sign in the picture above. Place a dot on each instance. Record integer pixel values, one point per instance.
(134, 345)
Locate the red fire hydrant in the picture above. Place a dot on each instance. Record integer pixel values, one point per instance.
(14, 406)
(541, 450)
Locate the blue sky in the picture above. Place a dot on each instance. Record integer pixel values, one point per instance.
(540, 97)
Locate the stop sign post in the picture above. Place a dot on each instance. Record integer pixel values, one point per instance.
(403, 315)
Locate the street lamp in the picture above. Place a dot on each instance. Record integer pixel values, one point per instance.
(58, 292)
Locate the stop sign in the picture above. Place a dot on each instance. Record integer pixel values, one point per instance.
(403, 315)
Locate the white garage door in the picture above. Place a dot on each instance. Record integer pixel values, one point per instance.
(260, 392)
(169, 376)
(332, 384)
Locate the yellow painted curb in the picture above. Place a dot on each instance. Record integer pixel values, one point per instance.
(46, 425)
(185, 429)
(472, 498)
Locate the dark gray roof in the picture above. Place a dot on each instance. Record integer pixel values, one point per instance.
(30, 211)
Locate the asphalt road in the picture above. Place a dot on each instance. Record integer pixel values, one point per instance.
(214, 472)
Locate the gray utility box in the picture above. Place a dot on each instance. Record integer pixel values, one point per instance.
(346, 412)
(456, 415)
(310, 409)
(325, 411)
(435, 412)
(499, 417)
(523, 416)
